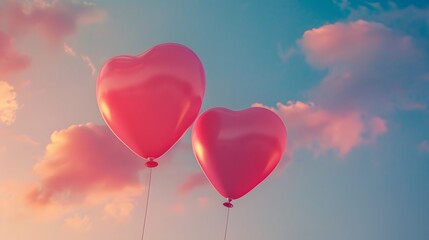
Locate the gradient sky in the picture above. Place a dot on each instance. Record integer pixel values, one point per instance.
(349, 78)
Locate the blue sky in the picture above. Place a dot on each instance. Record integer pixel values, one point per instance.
(358, 150)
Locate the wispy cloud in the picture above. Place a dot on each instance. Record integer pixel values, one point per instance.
(424, 146)
(78, 223)
(342, 4)
(90, 64)
(69, 51)
(54, 20)
(85, 59)
(119, 210)
(193, 181)
(410, 19)
(285, 55)
(26, 139)
(8, 103)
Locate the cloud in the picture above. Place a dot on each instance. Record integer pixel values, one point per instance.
(26, 139)
(11, 61)
(69, 51)
(77, 223)
(178, 208)
(349, 43)
(203, 201)
(286, 54)
(8, 192)
(410, 19)
(321, 130)
(54, 20)
(13, 204)
(342, 4)
(192, 182)
(86, 59)
(182, 207)
(90, 64)
(370, 67)
(8, 104)
(372, 71)
(85, 163)
(377, 126)
(119, 210)
(424, 146)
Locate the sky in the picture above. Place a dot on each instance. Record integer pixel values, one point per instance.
(349, 79)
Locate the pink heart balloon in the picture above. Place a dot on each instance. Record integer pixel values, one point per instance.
(237, 150)
(150, 100)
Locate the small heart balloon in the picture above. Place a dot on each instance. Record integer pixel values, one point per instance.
(150, 100)
(237, 150)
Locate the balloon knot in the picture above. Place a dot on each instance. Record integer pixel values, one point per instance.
(228, 204)
(151, 163)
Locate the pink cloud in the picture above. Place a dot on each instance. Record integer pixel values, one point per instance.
(85, 163)
(370, 67)
(424, 146)
(352, 43)
(321, 130)
(55, 20)
(11, 61)
(192, 182)
(8, 104)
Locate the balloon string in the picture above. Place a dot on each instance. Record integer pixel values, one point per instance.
(226, 225)
(147, 202)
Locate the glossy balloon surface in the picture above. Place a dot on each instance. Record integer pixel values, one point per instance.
(150, 100)
(237, 150)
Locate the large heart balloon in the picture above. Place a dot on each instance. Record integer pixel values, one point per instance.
(238, 149)
(150, 100)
